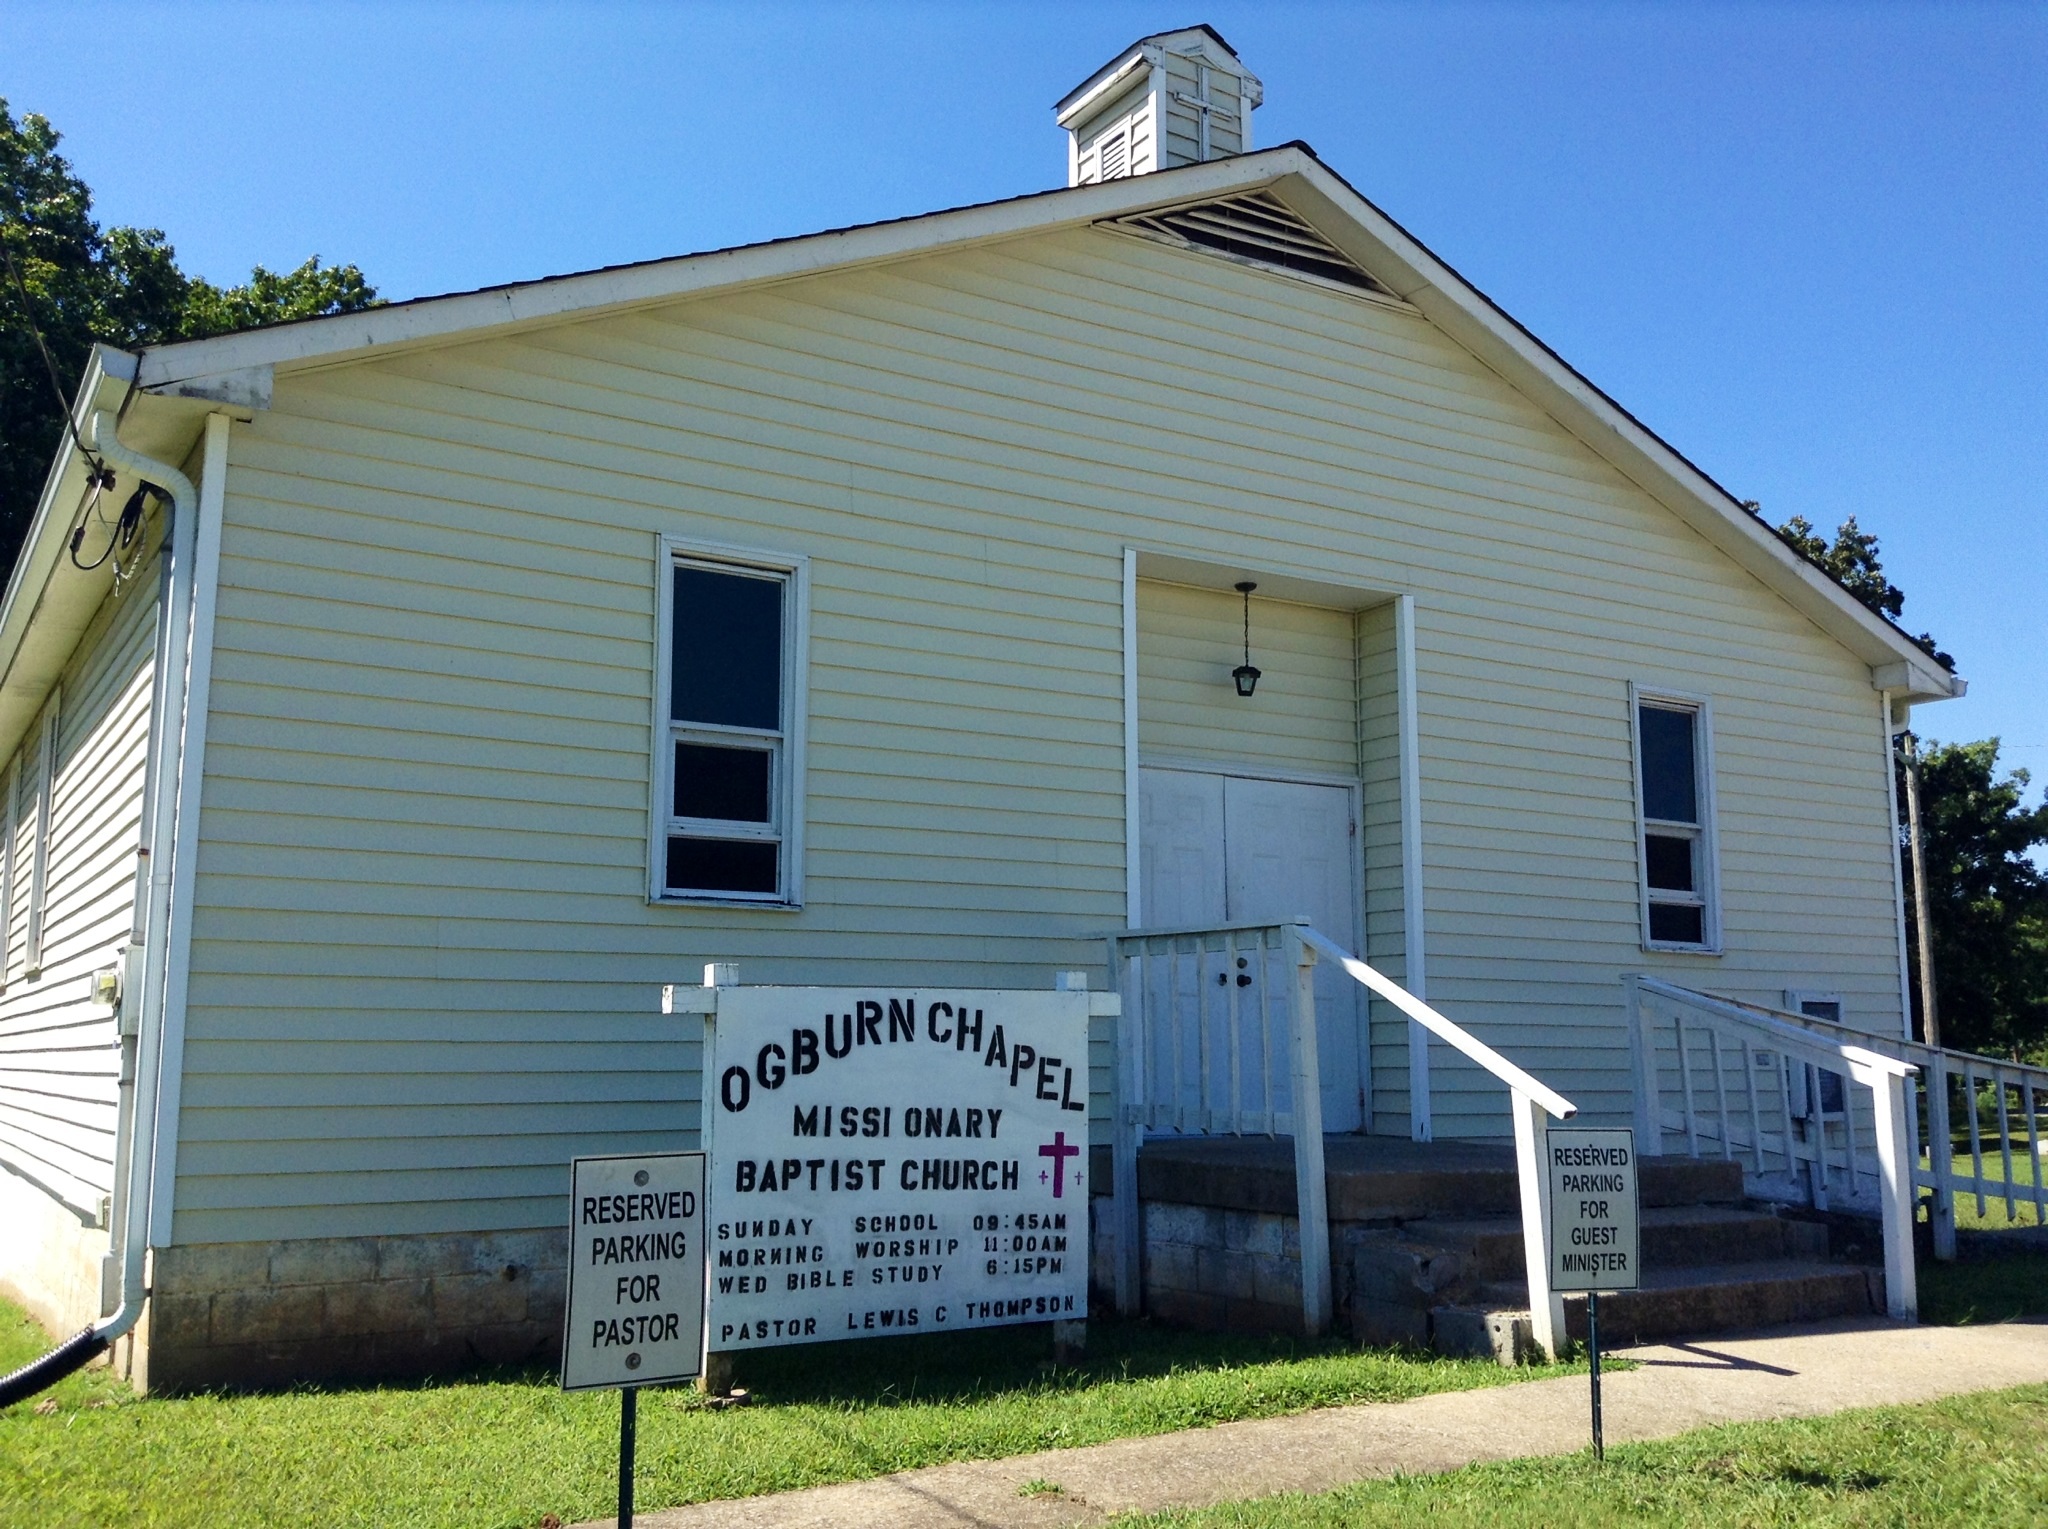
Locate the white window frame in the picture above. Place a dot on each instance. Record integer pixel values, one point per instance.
(1796, 1000)
(1703, 833)
(786, 785)
(39, 856)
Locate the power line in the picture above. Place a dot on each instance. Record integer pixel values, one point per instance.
(49, 364)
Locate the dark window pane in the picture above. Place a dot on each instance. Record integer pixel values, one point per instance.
(723, 865)
(713, 782)
(1832, 1094)
(1669, 862)
(1821, 1008)
(1670, 790)
(1671, 924)
(726, 658)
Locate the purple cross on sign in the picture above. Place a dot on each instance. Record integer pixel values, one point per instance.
(1058, 1150)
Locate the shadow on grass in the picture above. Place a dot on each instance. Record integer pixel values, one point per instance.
(1994, 1285)
(930, 1368)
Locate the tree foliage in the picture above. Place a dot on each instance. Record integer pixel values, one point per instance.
(1987, 901)
(120, 285)
(1852, 561)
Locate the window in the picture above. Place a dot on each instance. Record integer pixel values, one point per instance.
(1826, 1006)
(729, 776)
(1674, 804)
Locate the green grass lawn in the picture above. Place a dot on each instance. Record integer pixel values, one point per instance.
(2026, 1169)
(1976, 1460)
(504, 1449)
(1995, 1289)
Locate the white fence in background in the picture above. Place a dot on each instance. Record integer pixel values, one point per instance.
(1218, 1036)
(1979, 1090)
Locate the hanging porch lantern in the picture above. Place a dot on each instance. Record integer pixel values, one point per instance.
(1244, 675)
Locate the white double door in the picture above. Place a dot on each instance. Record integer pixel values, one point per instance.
(1219, 849)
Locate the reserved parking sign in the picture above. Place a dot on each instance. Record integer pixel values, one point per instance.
(636, 1271)
(1595, 1219)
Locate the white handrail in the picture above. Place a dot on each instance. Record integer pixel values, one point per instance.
(1445, 1030)
(1530, 1100)
(1800, 1042)
(1780, 1024)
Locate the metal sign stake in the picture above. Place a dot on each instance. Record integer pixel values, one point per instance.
(628, 1397)
(1595, 1229)
(1593, 1349)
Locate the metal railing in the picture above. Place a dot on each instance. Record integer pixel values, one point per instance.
(1218, 1034)
(1816, 1113)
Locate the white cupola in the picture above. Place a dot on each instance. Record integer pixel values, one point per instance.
(1175, 98)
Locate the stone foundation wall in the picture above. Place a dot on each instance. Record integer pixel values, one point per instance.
(1217, 1269)
(49, 1257)
(352, 1308)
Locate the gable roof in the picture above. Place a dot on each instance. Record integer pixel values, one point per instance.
(178, 384)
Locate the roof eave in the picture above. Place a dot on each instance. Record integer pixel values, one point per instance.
(1380, 244)
(1419, 277)
(351, 336)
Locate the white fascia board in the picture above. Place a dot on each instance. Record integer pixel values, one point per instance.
(1112, 80)
(106, 379)
(1351, 222)
(1456, 307)
(352, 336)
(49, 604)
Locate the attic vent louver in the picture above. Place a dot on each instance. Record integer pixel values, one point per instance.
(1257, 228)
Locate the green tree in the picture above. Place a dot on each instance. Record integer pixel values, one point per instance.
(1852, 561)
(121, 285)
(1987, 901)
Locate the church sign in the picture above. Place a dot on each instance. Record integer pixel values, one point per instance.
(898, 1162)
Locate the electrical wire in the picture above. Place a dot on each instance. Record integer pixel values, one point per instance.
(29, 320)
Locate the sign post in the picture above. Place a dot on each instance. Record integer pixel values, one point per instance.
(635, 1313)
(1595, 1227)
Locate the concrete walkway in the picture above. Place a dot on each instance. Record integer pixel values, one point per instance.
(1788, 1372)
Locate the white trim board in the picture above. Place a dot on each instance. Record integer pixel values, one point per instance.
(1133, 859)
(1414, 965)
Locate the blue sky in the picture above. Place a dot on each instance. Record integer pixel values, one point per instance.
(1806, 243)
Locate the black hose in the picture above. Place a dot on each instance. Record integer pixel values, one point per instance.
(40, 1374)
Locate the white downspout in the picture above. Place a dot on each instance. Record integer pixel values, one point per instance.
(205, 593)
(153, 877)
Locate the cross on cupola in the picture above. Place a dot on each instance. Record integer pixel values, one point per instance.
(1200, 104)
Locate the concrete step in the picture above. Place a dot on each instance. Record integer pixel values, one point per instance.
(1673, 1236)
(1693, 1302)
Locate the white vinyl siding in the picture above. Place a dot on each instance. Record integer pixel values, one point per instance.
(59, 1054)
(1182, 141)
(1303, 715)
(425, 969)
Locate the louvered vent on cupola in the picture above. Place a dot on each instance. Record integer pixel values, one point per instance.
(1256, 228)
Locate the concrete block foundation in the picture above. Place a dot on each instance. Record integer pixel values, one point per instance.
(351, 1308)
